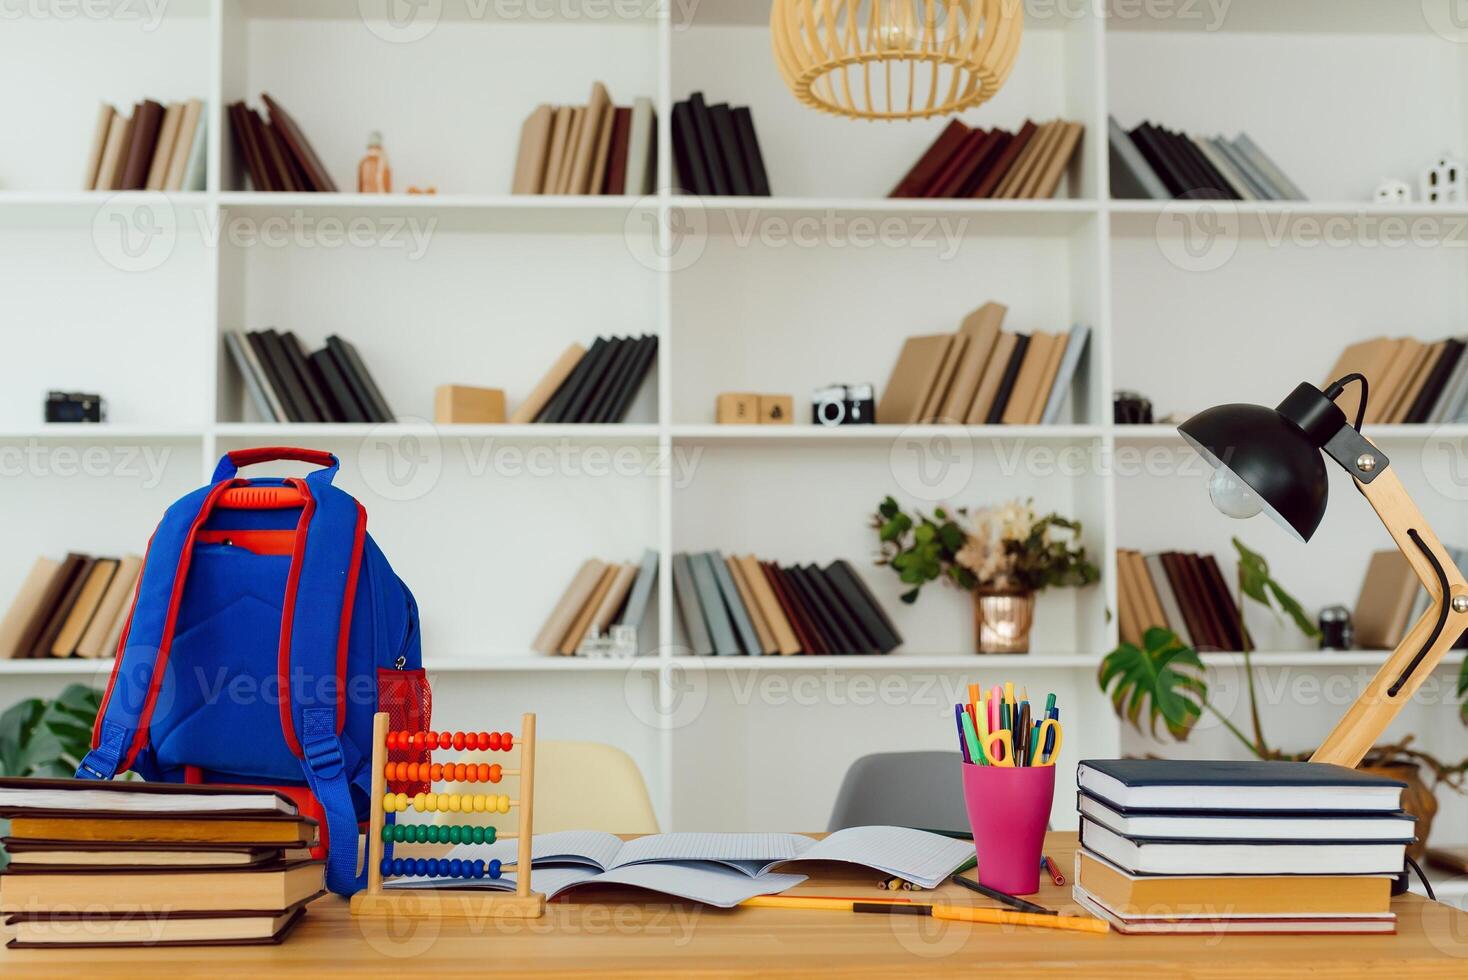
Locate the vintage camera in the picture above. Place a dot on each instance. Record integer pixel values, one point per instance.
(1131, 408)
(72, 406)
(844, 405)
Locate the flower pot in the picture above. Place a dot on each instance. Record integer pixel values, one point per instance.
(1002, 621)
(1417, 800)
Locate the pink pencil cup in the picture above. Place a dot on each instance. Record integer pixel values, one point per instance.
(1008, 809)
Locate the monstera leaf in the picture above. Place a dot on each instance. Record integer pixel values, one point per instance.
(48, 738)
(1256, 583)
(1164, 681)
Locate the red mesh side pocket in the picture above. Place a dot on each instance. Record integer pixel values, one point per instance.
(408, 701)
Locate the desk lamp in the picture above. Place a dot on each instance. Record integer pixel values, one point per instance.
(1270, 460)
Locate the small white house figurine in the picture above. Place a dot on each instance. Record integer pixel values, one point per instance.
(1444, 182)
(1392, 191)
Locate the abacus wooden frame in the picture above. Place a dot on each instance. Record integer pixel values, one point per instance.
(458, 903)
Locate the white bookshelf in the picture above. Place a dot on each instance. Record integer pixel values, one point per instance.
(779, 294)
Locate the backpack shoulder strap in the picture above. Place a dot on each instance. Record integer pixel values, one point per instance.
(315, 630)
(121, 729)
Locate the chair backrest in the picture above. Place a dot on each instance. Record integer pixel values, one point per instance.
(903, 789)
(578, 786)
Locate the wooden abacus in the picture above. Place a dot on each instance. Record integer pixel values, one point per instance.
(458, 902)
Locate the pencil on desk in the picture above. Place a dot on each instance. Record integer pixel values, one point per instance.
(951, 913)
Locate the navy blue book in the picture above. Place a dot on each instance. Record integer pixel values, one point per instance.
(1188, 784)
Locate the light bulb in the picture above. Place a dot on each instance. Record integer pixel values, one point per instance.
(1232, 497)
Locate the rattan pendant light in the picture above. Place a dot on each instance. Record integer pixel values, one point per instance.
(895, 59)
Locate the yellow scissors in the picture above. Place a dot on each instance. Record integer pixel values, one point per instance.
(1037, 756)
(988, 738)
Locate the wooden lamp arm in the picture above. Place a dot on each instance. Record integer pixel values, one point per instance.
(1366, 720)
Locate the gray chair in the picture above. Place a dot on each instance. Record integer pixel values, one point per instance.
(903, 789)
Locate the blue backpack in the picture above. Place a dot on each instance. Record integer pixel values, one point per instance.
(266, 630)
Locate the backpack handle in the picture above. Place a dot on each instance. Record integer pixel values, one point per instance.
(231, 463)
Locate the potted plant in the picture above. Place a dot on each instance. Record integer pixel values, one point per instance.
(1001, 555)
(1165, 681)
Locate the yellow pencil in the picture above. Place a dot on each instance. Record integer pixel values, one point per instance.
(952, 913)
(1001, 917)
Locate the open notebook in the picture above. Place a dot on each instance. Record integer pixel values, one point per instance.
(716, 869)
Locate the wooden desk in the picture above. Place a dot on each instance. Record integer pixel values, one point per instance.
(622, 932)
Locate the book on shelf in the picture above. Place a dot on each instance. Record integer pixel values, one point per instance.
(157, 148)
(1410, 381)
(1182, 592)
(1151, 162)
(1203, 846)
(274, 151)
(740, 606)
(128, 863)
(983, 374)
(712, 868)
(602, 610)
(285, 383)
(1028, 163)
(595, 385)
(716, 150)
(598, 148)
(69, 608)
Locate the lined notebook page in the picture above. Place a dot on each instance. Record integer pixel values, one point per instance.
(916, 855)
(712, 847)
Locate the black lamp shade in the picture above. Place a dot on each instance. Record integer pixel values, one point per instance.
(1270, 454)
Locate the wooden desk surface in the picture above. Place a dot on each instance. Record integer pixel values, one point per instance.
(623, 932)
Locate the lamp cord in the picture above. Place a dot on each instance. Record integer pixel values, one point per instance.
(1426, 885)
(1442, 613)
(1339, 385)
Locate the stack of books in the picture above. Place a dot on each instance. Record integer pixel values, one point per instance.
(602, 595)
(716, 150)
(286, 384)
(157, 148)
(70, 608)
(1185, 593)
(1239, 847)
(1154, 163)
(597, 148)
(1392, 599)
(1411, 380)
(741, 605)
(994, 163)
(983, 375)
(597, 385)
(131, 863)
(275, 152)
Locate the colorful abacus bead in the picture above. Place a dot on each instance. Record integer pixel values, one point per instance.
(494, 868)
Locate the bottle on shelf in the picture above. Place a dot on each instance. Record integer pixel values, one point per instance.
(374, 176)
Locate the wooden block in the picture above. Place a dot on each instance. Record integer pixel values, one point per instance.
(776, 410)
(458, 404)
(734, 408)
(446, 903)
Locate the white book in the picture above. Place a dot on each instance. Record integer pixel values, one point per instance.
(1151, 856)
(1070, 362)
(1266, 165)
(1261, 187)
(1399, 827)
(196, 174)
(1225, 168)
(641, 149)
(36, 795)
